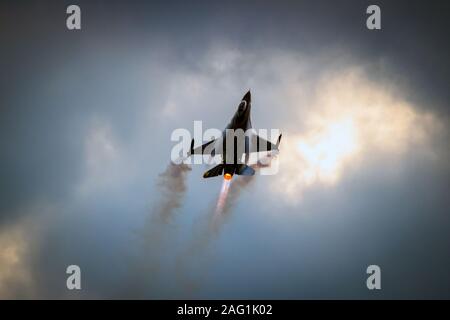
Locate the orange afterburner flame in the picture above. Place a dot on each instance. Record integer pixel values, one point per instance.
(227, 176)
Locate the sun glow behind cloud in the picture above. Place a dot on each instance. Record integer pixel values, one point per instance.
(324, 151)
(349, 120)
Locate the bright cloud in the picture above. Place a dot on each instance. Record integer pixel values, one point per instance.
(12, 270)
(348, 119)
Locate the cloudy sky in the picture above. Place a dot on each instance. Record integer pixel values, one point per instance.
(363, 171)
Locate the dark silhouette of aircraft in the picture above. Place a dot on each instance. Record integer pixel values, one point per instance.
(238, 140)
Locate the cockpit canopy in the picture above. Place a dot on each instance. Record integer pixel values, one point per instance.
(242, 106)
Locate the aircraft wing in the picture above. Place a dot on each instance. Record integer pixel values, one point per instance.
(253, 144)
(206, 148)
(259, 144)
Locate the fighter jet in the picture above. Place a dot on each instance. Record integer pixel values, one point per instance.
(243, 142)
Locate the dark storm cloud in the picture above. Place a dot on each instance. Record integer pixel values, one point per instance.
(120, 68)
(409, 46)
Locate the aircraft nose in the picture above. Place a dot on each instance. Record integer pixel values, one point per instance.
(247, 97)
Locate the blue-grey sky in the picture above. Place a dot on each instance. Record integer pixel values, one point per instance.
(85, 123)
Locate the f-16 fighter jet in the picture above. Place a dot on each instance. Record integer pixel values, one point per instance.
(237, 141)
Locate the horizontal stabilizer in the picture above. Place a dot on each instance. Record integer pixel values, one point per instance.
(244, 170)
(214, 172)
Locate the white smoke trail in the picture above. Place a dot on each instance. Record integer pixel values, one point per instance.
(221, 200)
(158, 231)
